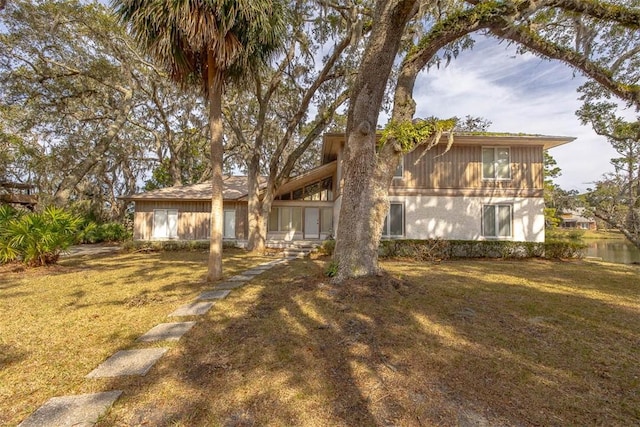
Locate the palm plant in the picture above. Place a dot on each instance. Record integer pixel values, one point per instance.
(38, 238)
(206, 43)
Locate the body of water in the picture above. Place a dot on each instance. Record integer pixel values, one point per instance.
(613, 250)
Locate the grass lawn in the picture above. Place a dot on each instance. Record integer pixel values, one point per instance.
(468, 342)
(59, 323)
(603, 234)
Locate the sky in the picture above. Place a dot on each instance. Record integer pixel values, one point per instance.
(519, 94)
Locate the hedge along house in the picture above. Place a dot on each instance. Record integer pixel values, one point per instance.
(486, 187)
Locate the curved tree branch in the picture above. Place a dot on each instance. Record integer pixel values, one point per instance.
(532, 41)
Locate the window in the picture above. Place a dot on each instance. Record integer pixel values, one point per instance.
(285, 219)
(229, 224)
(394, 221)
(495, 163)
(496, 221)
(165, 223)
(399, 173)
(326, 220)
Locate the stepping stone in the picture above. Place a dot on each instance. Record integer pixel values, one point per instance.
(82, 410)
(240, 278)
(263, 267)
(167, 331)
(128, 362)
(221, 294)
(230, 285)
(197, 308)
(252, 272)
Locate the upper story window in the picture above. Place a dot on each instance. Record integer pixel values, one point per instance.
(319, 191)
(496, 163)
(399, 173)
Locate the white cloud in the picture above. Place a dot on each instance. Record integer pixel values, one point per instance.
(518, 93)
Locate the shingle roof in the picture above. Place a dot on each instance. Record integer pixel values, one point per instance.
(234, 188)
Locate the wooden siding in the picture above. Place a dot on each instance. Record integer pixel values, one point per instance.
(193, 218)
(461, 168)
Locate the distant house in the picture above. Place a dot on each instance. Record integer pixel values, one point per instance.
(575, 219)
(487, 187)
(18, 194)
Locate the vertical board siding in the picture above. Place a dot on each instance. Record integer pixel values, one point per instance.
(193, 218)
(242, 221)
(461, 168)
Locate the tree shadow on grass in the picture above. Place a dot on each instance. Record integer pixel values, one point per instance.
(430, 348)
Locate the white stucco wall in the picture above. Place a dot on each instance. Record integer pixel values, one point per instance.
(460, 218)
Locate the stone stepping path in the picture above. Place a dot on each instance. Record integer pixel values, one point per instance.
(128, 362)
(167, 332)
(84, 410)
(215, 294)
(262, 267)
(78, 411)
(197, 308)
(229, 285)
(240, 278)
(253, 272)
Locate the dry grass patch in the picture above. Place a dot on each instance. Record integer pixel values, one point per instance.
(60, 322)
(457, 343)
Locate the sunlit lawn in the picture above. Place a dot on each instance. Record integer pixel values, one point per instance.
(455, 343)
(59, 323)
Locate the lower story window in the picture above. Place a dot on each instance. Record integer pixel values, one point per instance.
(496, 221)
(326, 220)
(394, 221)
(165, 223)
(285, 219)
(229, 224)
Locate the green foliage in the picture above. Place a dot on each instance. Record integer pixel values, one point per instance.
(332, 269)
(473, 124)
(557, 235)
(328, 246)
(170, 245)
(38, 238)
(564, 244)
(551, 219)
(438, 249)
(409, 135)
(8, 213)
(107, 232)
(564, 249)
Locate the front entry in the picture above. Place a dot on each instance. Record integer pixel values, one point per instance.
(311, 223)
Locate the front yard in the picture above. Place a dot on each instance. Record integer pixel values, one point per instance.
(454, 343)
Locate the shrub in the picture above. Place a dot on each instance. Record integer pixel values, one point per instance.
(564, 249)
(169, 245)
(328, 246)
(435, 249)
(8, 213)
(107, 232)
(38, 238)
(332, 269)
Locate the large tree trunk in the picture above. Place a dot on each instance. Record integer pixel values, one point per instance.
(364, 197)
(214, 271)
(257, 223)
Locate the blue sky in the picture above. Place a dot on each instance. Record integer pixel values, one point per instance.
(518, 93)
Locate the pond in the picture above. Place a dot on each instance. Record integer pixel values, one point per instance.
(613, 250)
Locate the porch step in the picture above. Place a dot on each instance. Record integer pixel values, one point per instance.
(295, 249)
(296, 252)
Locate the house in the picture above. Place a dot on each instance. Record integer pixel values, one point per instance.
(486, 187)
(576, 219)
(18, 194)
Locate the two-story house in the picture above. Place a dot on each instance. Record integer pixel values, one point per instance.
(485, 187)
